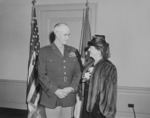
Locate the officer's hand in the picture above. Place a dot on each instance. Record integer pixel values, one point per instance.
(60, 93)
(68, 90)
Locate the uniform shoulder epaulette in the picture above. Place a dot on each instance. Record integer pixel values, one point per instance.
(71, 48)
(47, 47)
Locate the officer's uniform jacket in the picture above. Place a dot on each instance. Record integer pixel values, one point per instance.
(58, 71)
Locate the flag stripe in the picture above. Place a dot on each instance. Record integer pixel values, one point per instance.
(31, 66)
(35, 96)
(32, 89)
(30, 72)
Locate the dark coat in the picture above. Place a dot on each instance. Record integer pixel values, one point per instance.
(58, 71)
(103, 89)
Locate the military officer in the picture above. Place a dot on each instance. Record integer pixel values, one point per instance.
(59, 74)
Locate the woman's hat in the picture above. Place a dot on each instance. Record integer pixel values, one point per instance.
(97, 40)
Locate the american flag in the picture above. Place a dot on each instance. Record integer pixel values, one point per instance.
(33, 87)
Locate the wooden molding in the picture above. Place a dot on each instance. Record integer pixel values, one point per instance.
(13, 95)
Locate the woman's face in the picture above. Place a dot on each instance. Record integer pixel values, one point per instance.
(94, 53)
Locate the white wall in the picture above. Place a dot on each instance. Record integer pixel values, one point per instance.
(126, 24)
(15, 18)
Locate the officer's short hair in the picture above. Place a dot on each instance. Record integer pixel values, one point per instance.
(58, 26)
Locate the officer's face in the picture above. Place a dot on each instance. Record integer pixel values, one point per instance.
(63, 35)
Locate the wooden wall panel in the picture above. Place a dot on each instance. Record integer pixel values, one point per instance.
(13, 95)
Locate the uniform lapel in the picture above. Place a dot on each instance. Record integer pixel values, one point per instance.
(56, 51)
(66, 51)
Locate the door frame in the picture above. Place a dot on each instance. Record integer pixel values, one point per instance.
(72, 6)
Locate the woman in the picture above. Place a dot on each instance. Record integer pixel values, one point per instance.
(100, 77)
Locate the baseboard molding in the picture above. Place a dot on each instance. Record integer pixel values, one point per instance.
(131, 115)
(139, 96)
(13, 95)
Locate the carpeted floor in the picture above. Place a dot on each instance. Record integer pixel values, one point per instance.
(12, 113)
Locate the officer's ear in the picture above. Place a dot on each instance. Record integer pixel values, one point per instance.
(56, 33)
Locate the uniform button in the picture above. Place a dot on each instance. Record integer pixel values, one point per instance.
(64, 61)
(64, 73)
(65, 79)
(64, 66)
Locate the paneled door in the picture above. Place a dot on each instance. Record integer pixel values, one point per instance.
(72, 14)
